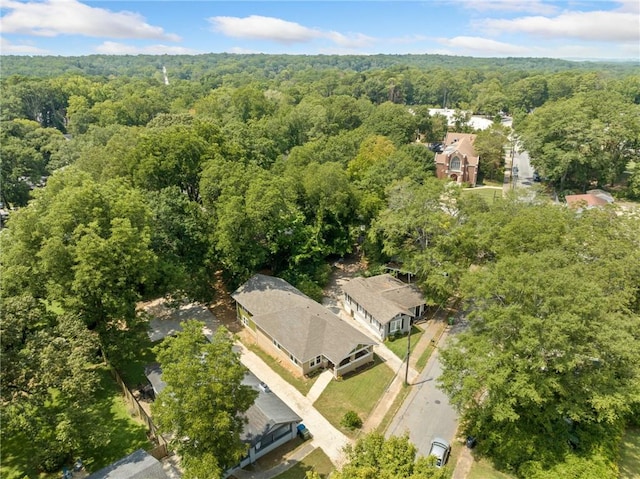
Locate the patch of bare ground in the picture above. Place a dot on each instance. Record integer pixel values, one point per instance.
(223, 307)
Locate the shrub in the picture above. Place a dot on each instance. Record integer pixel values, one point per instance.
(351, 420)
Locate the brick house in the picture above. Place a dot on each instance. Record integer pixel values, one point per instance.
(458, 160)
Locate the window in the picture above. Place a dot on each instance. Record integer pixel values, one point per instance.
(455, 164)
(395, 325)
(277, 344)
(315, 361)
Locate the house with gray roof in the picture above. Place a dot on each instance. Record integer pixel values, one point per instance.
(270, 422)
(290, 325)
(383, 303)
(137, 465)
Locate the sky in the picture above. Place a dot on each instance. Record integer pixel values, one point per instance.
(571, 29)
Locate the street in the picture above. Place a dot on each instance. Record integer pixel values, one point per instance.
(426, 413)
(522, 169)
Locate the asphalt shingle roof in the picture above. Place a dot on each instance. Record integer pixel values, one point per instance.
(383, 296)
(302, 326)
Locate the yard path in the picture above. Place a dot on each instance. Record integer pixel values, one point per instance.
(324, 434)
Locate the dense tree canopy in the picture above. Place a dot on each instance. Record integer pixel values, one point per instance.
(549, 359)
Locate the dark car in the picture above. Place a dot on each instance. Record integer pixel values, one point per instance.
(437, 147)
(536, 177)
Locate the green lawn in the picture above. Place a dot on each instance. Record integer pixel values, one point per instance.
(482, 469)
(359, 392)
(399, 345)
(489, 194)
(316, 461)
(630, 454)
(302, 384)
(110, 421)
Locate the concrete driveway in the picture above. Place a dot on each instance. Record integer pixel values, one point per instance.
(324, 434)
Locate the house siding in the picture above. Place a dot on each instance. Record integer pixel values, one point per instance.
(360, 314)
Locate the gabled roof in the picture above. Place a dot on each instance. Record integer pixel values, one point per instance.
(460, 143)
(302, 326)
(383, 296)
(138, 465)
(267, 413)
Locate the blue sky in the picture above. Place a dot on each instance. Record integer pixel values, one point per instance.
(601, 29)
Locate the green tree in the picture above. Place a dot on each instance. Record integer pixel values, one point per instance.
(204, 400)
(587, 138)
(47, 380)
(489, 145)
(86, 246)
(374, 457)
(416, 229)
(549, 358)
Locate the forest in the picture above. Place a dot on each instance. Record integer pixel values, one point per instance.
(122, 185)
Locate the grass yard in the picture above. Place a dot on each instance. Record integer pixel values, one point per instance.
(399, 345)
(317, 461)
(489, 194)
(302, 384)
(482, 469)
(359, 392)
(629, 464)
(118, 435)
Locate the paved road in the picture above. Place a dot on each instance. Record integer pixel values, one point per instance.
(426, 413)
(524, 169)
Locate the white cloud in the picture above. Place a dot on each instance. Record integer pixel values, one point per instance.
(9, 48)
(51, 18)
(115, 48)
(256, 27)
(609, 26)
(355, 40)
(484, 46)
(531, 6)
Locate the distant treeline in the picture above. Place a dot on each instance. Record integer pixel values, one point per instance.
(195, 67)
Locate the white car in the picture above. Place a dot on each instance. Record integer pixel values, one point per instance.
(440, 449)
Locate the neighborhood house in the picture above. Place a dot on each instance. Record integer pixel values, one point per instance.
(383, 303)
(270, 422)
(288, 324)
(458, 161)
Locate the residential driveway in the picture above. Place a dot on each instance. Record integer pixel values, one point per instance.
(166, 319)
(324, 434)
(426, 413)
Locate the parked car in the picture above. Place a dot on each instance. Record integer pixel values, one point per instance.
(263, 387)
(303, 432)
(536, 177)
(440, 449)
(437, 147)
